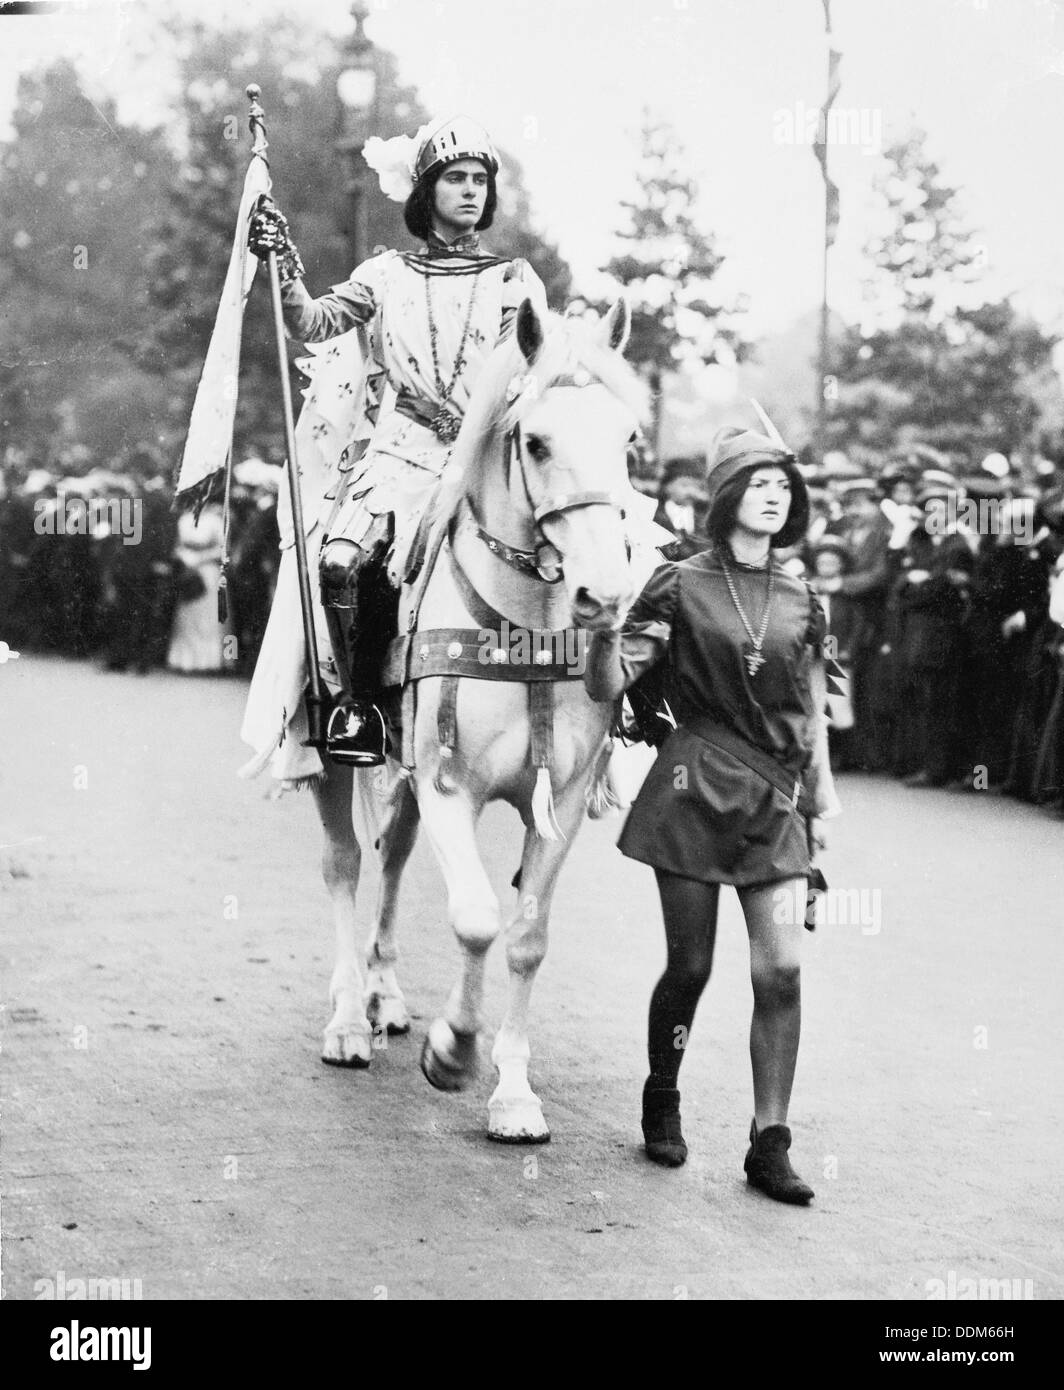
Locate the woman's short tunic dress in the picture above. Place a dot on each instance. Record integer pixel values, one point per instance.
(701, 812)
(387, 296)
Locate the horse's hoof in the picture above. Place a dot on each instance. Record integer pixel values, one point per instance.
(517, 1122)
(346, 1049)
(454, 1072)
(385, 1011)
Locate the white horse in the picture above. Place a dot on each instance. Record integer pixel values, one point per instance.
(536, 484)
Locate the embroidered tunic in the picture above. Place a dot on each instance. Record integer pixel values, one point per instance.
(388, 297)
(702, 812)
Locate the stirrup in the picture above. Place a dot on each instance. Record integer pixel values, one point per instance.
(356, 734)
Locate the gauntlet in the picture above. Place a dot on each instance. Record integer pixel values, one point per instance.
(268, 231)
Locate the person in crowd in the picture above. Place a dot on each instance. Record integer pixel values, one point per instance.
(898, 485)
(1049, 766)
(831, 558)
(822, 509)
(1008, 598)
(70, 572)
(26, 614)
(887, 745)
(254, 554)
(1041, 669)
(680, 501)
(139, 576)
(795, 559)
(933, 596)
(866, 533)
(743, 645)
(198, 639)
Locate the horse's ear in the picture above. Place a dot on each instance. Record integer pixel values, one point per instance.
(618, 325)
(529, 331)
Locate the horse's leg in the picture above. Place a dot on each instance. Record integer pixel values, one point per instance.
(385, 1004)
(449, 1054)
(515, 1115)
(348, 1036)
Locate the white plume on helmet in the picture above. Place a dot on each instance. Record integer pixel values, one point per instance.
(401, 162)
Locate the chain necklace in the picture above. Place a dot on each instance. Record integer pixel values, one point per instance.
(445, 423)
(752, 649)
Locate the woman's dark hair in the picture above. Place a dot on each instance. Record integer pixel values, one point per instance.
(721, 520)
(417, 213)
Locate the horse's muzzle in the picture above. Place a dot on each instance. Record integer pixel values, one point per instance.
(596, 614)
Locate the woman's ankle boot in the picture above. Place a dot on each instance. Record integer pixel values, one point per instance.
(661, 1126)
(769, 1169)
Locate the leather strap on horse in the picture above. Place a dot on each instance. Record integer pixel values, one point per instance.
(447, 722)
(477, 607)
(430, 537)
(541, 715)
(474, 654)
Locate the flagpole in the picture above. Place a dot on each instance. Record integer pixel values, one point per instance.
(314, 700)
(823, 348)
(831, 213)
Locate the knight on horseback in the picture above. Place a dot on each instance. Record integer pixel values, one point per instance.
(430, 321)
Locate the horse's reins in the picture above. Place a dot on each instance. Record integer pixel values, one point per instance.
(531, 562)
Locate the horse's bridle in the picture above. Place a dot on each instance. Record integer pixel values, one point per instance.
(532, 562)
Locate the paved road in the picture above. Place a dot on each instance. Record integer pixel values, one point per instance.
(167, 1118)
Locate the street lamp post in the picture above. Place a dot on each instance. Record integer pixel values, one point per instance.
(356, 88)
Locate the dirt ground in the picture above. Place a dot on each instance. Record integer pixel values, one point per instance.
(166, 954)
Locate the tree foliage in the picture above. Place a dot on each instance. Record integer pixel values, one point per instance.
(79, 196)
(667, 264)
(111, 354)
(931, 362)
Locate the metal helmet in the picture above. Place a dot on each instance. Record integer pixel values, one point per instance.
(457, 138)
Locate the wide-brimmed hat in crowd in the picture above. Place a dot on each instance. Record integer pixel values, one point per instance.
(937, 483)
(857, 487)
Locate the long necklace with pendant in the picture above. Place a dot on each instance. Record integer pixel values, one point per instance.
(445, 423)
(752, 649)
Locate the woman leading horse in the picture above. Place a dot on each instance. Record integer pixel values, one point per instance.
(739, 787)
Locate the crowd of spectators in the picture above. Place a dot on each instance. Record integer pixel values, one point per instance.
(944, 594)
(94, 562)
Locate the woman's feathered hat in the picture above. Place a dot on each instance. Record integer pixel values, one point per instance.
(403, 161)
(736, 450)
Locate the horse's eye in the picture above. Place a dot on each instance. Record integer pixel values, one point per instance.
(537, 448)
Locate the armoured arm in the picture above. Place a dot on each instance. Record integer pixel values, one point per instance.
(315, 320)
(310, 320)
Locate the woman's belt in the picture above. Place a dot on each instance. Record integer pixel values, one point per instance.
(755, 759)
(418, 409)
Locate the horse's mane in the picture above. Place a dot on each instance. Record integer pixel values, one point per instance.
(494, 408)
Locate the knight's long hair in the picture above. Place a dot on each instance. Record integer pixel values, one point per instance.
(419, 207)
